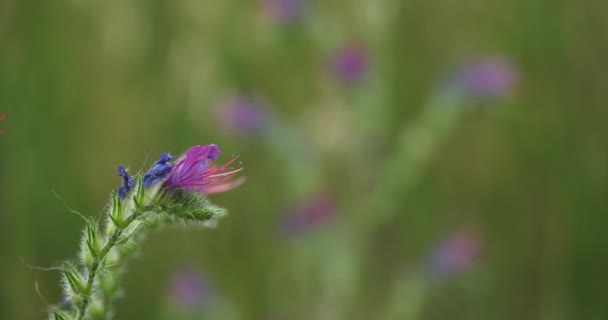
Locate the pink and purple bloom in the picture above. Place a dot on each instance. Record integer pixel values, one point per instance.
(489, 78)
(242, 116)
(195, 172)
(350, 63)
(310, 214)
(284, 11)
(457, 253)
(191, 289)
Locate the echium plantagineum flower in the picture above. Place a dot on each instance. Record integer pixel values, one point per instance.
(243, 116)
(284, 11)
(169, 192)
(127, 182)
(489, 78)
(350, 63)
(455, 254)
(159, 170)
(312, 213)
(195, 171)
(191, 289)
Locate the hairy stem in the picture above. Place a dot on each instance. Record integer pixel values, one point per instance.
(99, 259)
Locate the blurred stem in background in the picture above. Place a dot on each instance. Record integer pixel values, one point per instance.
(416, 147)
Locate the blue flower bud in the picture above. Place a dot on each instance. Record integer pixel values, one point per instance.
(127, 183)
(159, 170)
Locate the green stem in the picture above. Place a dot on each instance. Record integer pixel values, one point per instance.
(100, 257)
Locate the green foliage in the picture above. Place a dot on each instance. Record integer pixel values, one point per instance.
(191, 208)
(60, 315)
(116, 215)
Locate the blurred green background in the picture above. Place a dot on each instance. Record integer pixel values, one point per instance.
(90, 85)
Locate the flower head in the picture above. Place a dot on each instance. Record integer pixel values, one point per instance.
(456, 254)
(190, 289)
(159, 170)
(490, 78)
(284, 11)
(242, 116)
(127, 182)
(350, 63)
(313, 212)
(195, 172)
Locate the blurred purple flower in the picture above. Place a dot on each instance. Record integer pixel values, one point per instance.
(284, 11)
(191, 289)
(242, 116)
(489, 78)
(350, 63)
(458, 253)
(313, 212)
(195, 172)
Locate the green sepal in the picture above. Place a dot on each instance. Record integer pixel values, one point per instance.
(60, 315)
(190, 207)
(128, 246)
(117, 215)
(76, 281)
(115, 222)
(140, 195)
(93, 240)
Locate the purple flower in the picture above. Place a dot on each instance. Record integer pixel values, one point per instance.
(195, 172)
(458, 253)
(191, 289)
(127, 182)
(284, 11)
(242, 116)
(490, 78)
(314, 212)
(159, 170)
(350, 63)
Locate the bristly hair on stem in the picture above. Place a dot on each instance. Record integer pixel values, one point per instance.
(169, 193)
